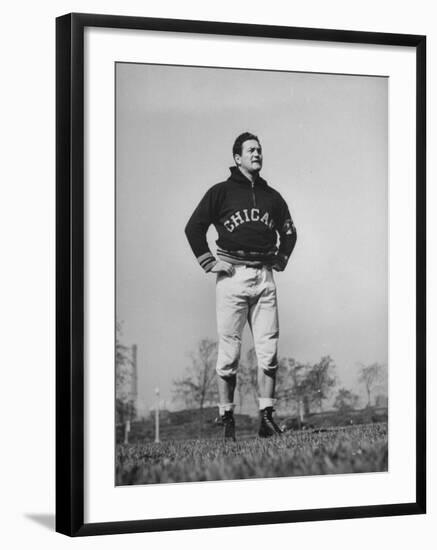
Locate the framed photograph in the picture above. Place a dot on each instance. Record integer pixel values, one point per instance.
(240, 274)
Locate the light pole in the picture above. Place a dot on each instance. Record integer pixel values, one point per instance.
(157, 416)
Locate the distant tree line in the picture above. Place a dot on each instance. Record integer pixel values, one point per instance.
(301, 388)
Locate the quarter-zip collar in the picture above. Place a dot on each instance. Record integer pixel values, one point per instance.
(238, 177)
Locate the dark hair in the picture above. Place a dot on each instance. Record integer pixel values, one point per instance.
(238, 144)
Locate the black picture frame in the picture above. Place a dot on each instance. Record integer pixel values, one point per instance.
(70, 273)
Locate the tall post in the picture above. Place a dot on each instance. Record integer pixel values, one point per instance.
(157, 416)
(126, 432)
(134, 380)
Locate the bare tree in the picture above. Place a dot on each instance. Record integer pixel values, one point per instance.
(247, 378)
(198, 387)
(371, 376)
(292, 387)
(321, 379)
(345, 400)
(125, 406)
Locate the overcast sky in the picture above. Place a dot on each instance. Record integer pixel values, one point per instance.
(324, 140)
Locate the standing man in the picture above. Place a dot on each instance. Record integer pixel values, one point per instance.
(248, 215)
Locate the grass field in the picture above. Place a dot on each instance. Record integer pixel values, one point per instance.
(353, 449)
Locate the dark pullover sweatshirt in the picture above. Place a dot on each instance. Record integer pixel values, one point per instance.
(249, 218)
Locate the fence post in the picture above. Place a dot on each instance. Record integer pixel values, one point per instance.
(157, 416)
(126, 431)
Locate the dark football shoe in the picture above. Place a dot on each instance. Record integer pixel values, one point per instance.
(267, 426)
(228, 422)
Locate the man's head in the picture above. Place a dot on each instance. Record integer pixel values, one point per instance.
(248, 153)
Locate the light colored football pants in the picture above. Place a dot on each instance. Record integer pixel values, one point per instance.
(247, 295)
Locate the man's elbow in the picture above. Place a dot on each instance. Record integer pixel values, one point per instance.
(188, 229)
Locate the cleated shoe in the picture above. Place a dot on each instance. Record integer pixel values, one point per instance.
(268, 426)
(229, 425)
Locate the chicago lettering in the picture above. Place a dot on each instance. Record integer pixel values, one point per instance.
(247, 215)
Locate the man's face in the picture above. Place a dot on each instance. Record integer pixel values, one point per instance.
(251, 157)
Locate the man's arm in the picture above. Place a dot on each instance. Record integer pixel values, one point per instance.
(196, 229)
(287, 238)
